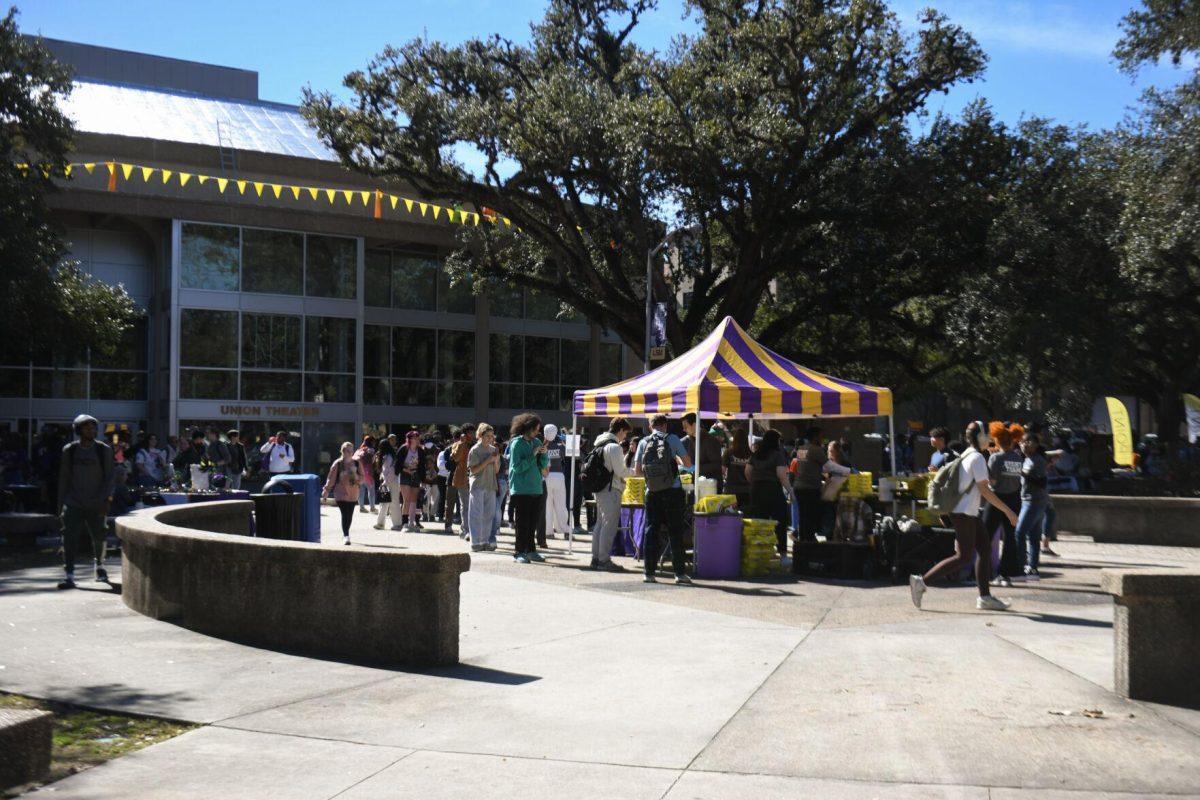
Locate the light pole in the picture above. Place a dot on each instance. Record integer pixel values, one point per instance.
(650, 256)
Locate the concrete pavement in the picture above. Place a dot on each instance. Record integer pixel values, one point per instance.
(578, 684)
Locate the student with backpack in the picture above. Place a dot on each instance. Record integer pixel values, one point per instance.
(655, 460)
(603, 474)
(86, 478)
(956, 490)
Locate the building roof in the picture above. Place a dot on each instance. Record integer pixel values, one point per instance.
(177, 116)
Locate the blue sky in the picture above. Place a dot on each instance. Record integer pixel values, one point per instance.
(1047, 58)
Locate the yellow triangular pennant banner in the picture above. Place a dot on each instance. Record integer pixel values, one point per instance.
(200, 179)
(89, 167)
(147, 172)
(474, 218)
(258, 187)
(331, 194)
(349, 195)
(166, 173)
(126, 170)
(295, 192)
(312, 193)
(67, 170)
(450, 214)
(241, 186)
(366, 197)
(408, 205)
(394, 200)
(221, 184)
(45, 172)
(437, 210)
(184, 177)
(276, 189)
(422, 206)
(507, 222)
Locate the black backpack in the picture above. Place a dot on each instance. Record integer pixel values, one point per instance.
(658, 463)
(595, 476)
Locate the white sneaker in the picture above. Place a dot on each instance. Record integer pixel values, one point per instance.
(916, 587)
(377, 526)
(1031, 574)
(683, 580)
(397, 527)
(1002, 581)
(649, 579)
(345, 540)
(989, 603)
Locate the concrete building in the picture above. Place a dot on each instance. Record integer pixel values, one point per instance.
(270, 307)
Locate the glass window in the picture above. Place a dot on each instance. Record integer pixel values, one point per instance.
(322, 443)
(377, 269)
(413, 353)
(506, 358)
(107, 385)
(60, 384)
(271, 386)
(610, 364)
(456, 355)
(208, 338)
(457, 297)
(456, 394)
(541, 306)
(414, 282)
(331, 266)
(412, 393)
(329, 388)
(541, 360)
(575, 363)
(14, 382)
(505, 300)
(541, 397)
(377, 350)
(272, 261)
(207, 384)
(329, 344)
(208, 257)
(377, 392)
(270, 341)
(130, 353)
(505, 395)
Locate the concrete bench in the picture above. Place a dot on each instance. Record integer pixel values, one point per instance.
(23, 528)
(25, 737)
(375, 605)
(1171, 521)
(1156, 628)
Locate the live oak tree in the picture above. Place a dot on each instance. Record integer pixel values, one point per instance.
(749, 129)
(48, 302)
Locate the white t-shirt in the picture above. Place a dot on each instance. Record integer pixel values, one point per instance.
(973, 470)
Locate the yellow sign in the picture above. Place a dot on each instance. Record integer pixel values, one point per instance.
(1118, 419)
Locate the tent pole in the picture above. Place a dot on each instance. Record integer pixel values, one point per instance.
(571, 490)
(892, 452)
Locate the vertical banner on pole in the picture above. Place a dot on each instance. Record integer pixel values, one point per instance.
(1191, 408)
(1118, 418)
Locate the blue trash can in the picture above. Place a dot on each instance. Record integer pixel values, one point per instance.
(310, 487)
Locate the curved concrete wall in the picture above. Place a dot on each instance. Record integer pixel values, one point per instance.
(187, 564)
(1131, 520)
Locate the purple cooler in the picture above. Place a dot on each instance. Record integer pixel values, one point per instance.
(718, 545)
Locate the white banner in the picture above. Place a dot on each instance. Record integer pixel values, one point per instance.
(1191, 407)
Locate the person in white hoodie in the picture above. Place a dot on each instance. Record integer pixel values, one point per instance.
(608, 499)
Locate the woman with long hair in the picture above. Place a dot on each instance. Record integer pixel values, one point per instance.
(1004, 469)
(385, 458)
(527, 465)
(733, 463)
(345, 476)
(410, 473)
(365, 456)
(770, 487)
(970, 539)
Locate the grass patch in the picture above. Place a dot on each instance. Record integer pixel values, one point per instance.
(83, 739)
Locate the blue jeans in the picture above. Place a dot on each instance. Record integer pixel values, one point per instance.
(1048, 529)
(366, 494)
(481, 514)
(500, 498)
(1029, 530)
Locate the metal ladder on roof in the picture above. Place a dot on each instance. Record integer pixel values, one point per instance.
(225, 146)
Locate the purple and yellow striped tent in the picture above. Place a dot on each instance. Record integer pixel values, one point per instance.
(731, 375)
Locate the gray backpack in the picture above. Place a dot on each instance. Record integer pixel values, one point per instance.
(944, 494)
(658, 463)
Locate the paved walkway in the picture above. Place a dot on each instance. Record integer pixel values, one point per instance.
(577, 684)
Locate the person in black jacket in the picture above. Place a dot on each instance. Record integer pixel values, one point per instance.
(237, 460)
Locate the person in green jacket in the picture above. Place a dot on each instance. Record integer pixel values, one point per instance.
(527, 466)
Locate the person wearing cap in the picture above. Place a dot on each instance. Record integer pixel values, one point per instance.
(558, 519)
(86, 477)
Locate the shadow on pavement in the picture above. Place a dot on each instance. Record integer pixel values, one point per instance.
(478, 674)
(113, 696)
